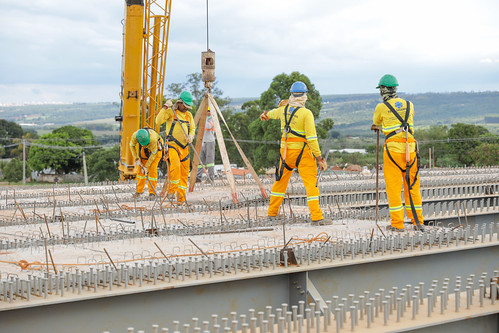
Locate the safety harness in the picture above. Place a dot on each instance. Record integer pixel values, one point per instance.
(147, 151)
(281, 160)
(404, 127)
(170, 136)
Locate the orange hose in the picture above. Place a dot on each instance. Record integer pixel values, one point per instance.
(23, 264)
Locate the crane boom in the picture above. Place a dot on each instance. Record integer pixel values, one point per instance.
(145, 40)
(156, 30)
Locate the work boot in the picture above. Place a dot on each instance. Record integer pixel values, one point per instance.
(198, 180)
(171, 196)
(152, 194)
(393, 229)
(273, 219)
(137, 194)
(413, 226)
(324, 221)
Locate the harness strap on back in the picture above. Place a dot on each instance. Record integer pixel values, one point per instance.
(281, 160)
(287, 122)
(287, 128)
(403, 122)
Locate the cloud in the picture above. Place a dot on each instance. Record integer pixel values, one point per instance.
(342, 46)
(59, 42)
(489, 60)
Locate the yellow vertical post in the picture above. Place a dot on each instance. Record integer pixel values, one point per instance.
(153, 102)
(131, 82)
(156, 25)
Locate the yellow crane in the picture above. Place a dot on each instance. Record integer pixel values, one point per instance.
(145, 44)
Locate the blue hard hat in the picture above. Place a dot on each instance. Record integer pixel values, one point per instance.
(298, 87)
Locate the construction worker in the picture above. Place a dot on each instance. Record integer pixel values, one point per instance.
(146, 146)
(395, 118)
(207, 156)
(299, 149)
(180, 129)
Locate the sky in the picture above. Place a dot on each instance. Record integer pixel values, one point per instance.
(70, 51)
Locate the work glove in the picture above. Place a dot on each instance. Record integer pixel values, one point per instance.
(283, 102)
(139, 164)
(190, 138)
(375, 128)
(168, 103)
(322, 163)
(264, 116)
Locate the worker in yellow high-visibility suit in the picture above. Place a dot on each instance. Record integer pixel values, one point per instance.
(299, 149)
(180, 131)
(146, 146)
(395, 154)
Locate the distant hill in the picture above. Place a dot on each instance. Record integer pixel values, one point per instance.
(58, 114)
(352, 114)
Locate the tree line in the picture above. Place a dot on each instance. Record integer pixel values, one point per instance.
(62, 149)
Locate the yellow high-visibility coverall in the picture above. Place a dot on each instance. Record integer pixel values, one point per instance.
(303, 124)
(394, 176)
(152, 153)
(178, 148)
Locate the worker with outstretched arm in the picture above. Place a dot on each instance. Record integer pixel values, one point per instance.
(395, 118)
(146, 146)
(207, 156)
(180, 131)
(299, 149)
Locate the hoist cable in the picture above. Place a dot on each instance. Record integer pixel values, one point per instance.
(207, 32)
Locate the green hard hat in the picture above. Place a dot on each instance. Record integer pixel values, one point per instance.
(186, 97)
(143, 137)
(388, 80)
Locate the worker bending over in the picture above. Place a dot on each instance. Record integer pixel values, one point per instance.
(299, 149)
(146, 146)
(180, 130)
(207, 156)
(395, 117)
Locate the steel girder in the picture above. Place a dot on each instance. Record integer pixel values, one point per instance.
(164, 303)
